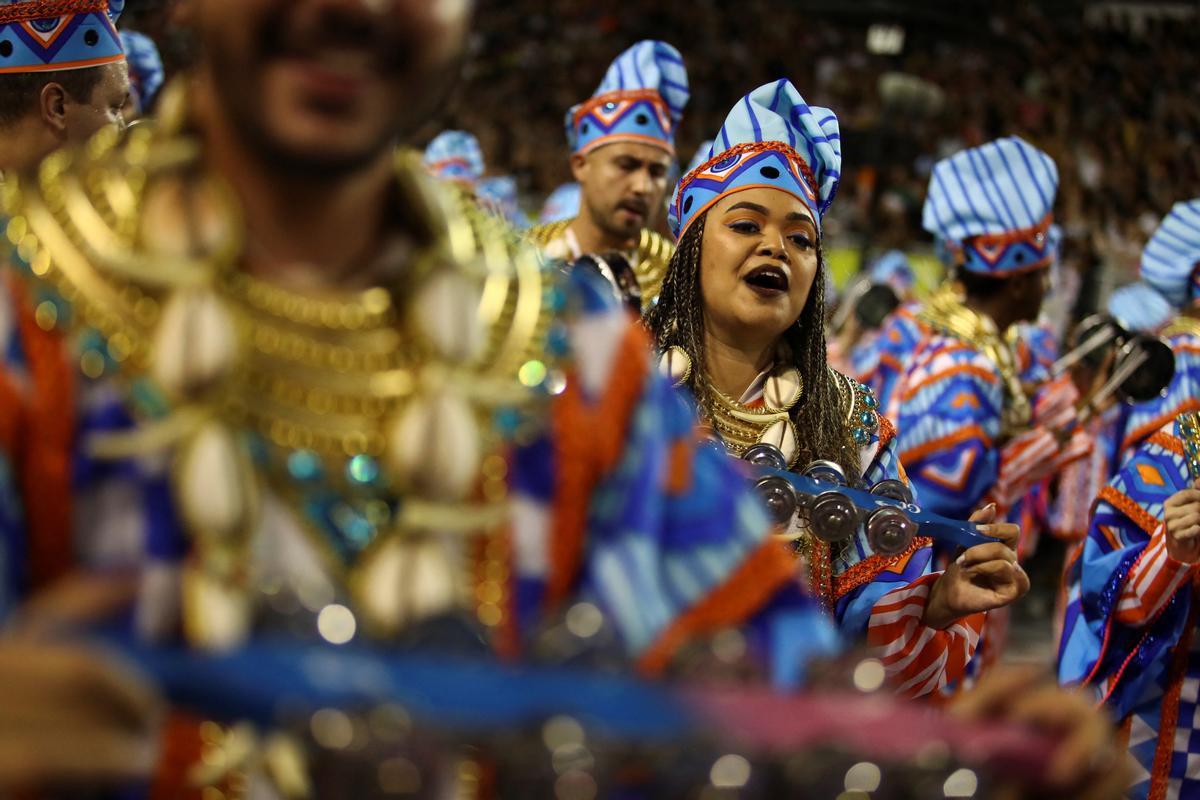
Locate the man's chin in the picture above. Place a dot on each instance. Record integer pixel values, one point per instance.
(625, 230)
(327, 154)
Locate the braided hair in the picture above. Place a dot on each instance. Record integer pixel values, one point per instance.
(677, 320)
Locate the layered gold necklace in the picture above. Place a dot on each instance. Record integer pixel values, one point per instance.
(379, 417)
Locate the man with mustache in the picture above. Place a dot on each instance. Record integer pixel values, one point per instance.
(622, 147)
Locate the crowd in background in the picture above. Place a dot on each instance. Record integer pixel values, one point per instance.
(1117, 121)
(1111, 103)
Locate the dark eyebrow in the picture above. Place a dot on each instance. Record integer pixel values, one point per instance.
(749, 207)
(746, 204)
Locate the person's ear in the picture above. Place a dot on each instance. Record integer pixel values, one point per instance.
(52, 103)
(579, 167)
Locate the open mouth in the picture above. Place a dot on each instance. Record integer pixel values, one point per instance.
(768, 279)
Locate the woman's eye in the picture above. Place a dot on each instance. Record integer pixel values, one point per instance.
(801, 240)
(744, 226)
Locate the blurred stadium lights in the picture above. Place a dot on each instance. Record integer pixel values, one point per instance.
(885, 40)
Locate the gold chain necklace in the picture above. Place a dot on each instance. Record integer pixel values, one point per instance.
(947, 314)
(738, 424)
(649, 262)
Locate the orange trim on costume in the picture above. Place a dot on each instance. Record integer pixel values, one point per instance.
(679, 467)
(887, 431)
(637, 138)
(888, 358)
(1186, 347)
(957, 369)
(695, 215)
(746, 590)
(44, 478)
(1164, 749)
(619, 96)
(961, 435)
(808, 179)
(47, 9)
(1167, 442)
(1013, 236)
(1186, 407)
(588, 441)
(94, 62)
(1131, 509)
(866, 570)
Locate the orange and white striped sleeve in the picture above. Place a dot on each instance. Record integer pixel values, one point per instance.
(920, 660)
(1152, 581)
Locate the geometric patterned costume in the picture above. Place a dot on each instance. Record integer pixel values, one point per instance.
(1168, 266)
(1137, 307)
(773, 138)
(1130, 634)
(880, 363)
(966, 434)
(72, 34)
(37, 396)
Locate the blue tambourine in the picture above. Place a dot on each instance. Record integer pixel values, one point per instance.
(833, 510)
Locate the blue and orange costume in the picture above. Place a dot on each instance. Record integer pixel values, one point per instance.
(773, 138)
(1175, 244)
(1129, 629)
(968, 432)
(1138, 307)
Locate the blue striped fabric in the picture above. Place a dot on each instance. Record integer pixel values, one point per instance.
(772, 113)
(1140, 307)
(1003, 187)
(455, 156)
(611, 116)
(68, 41)
(1169, 260)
